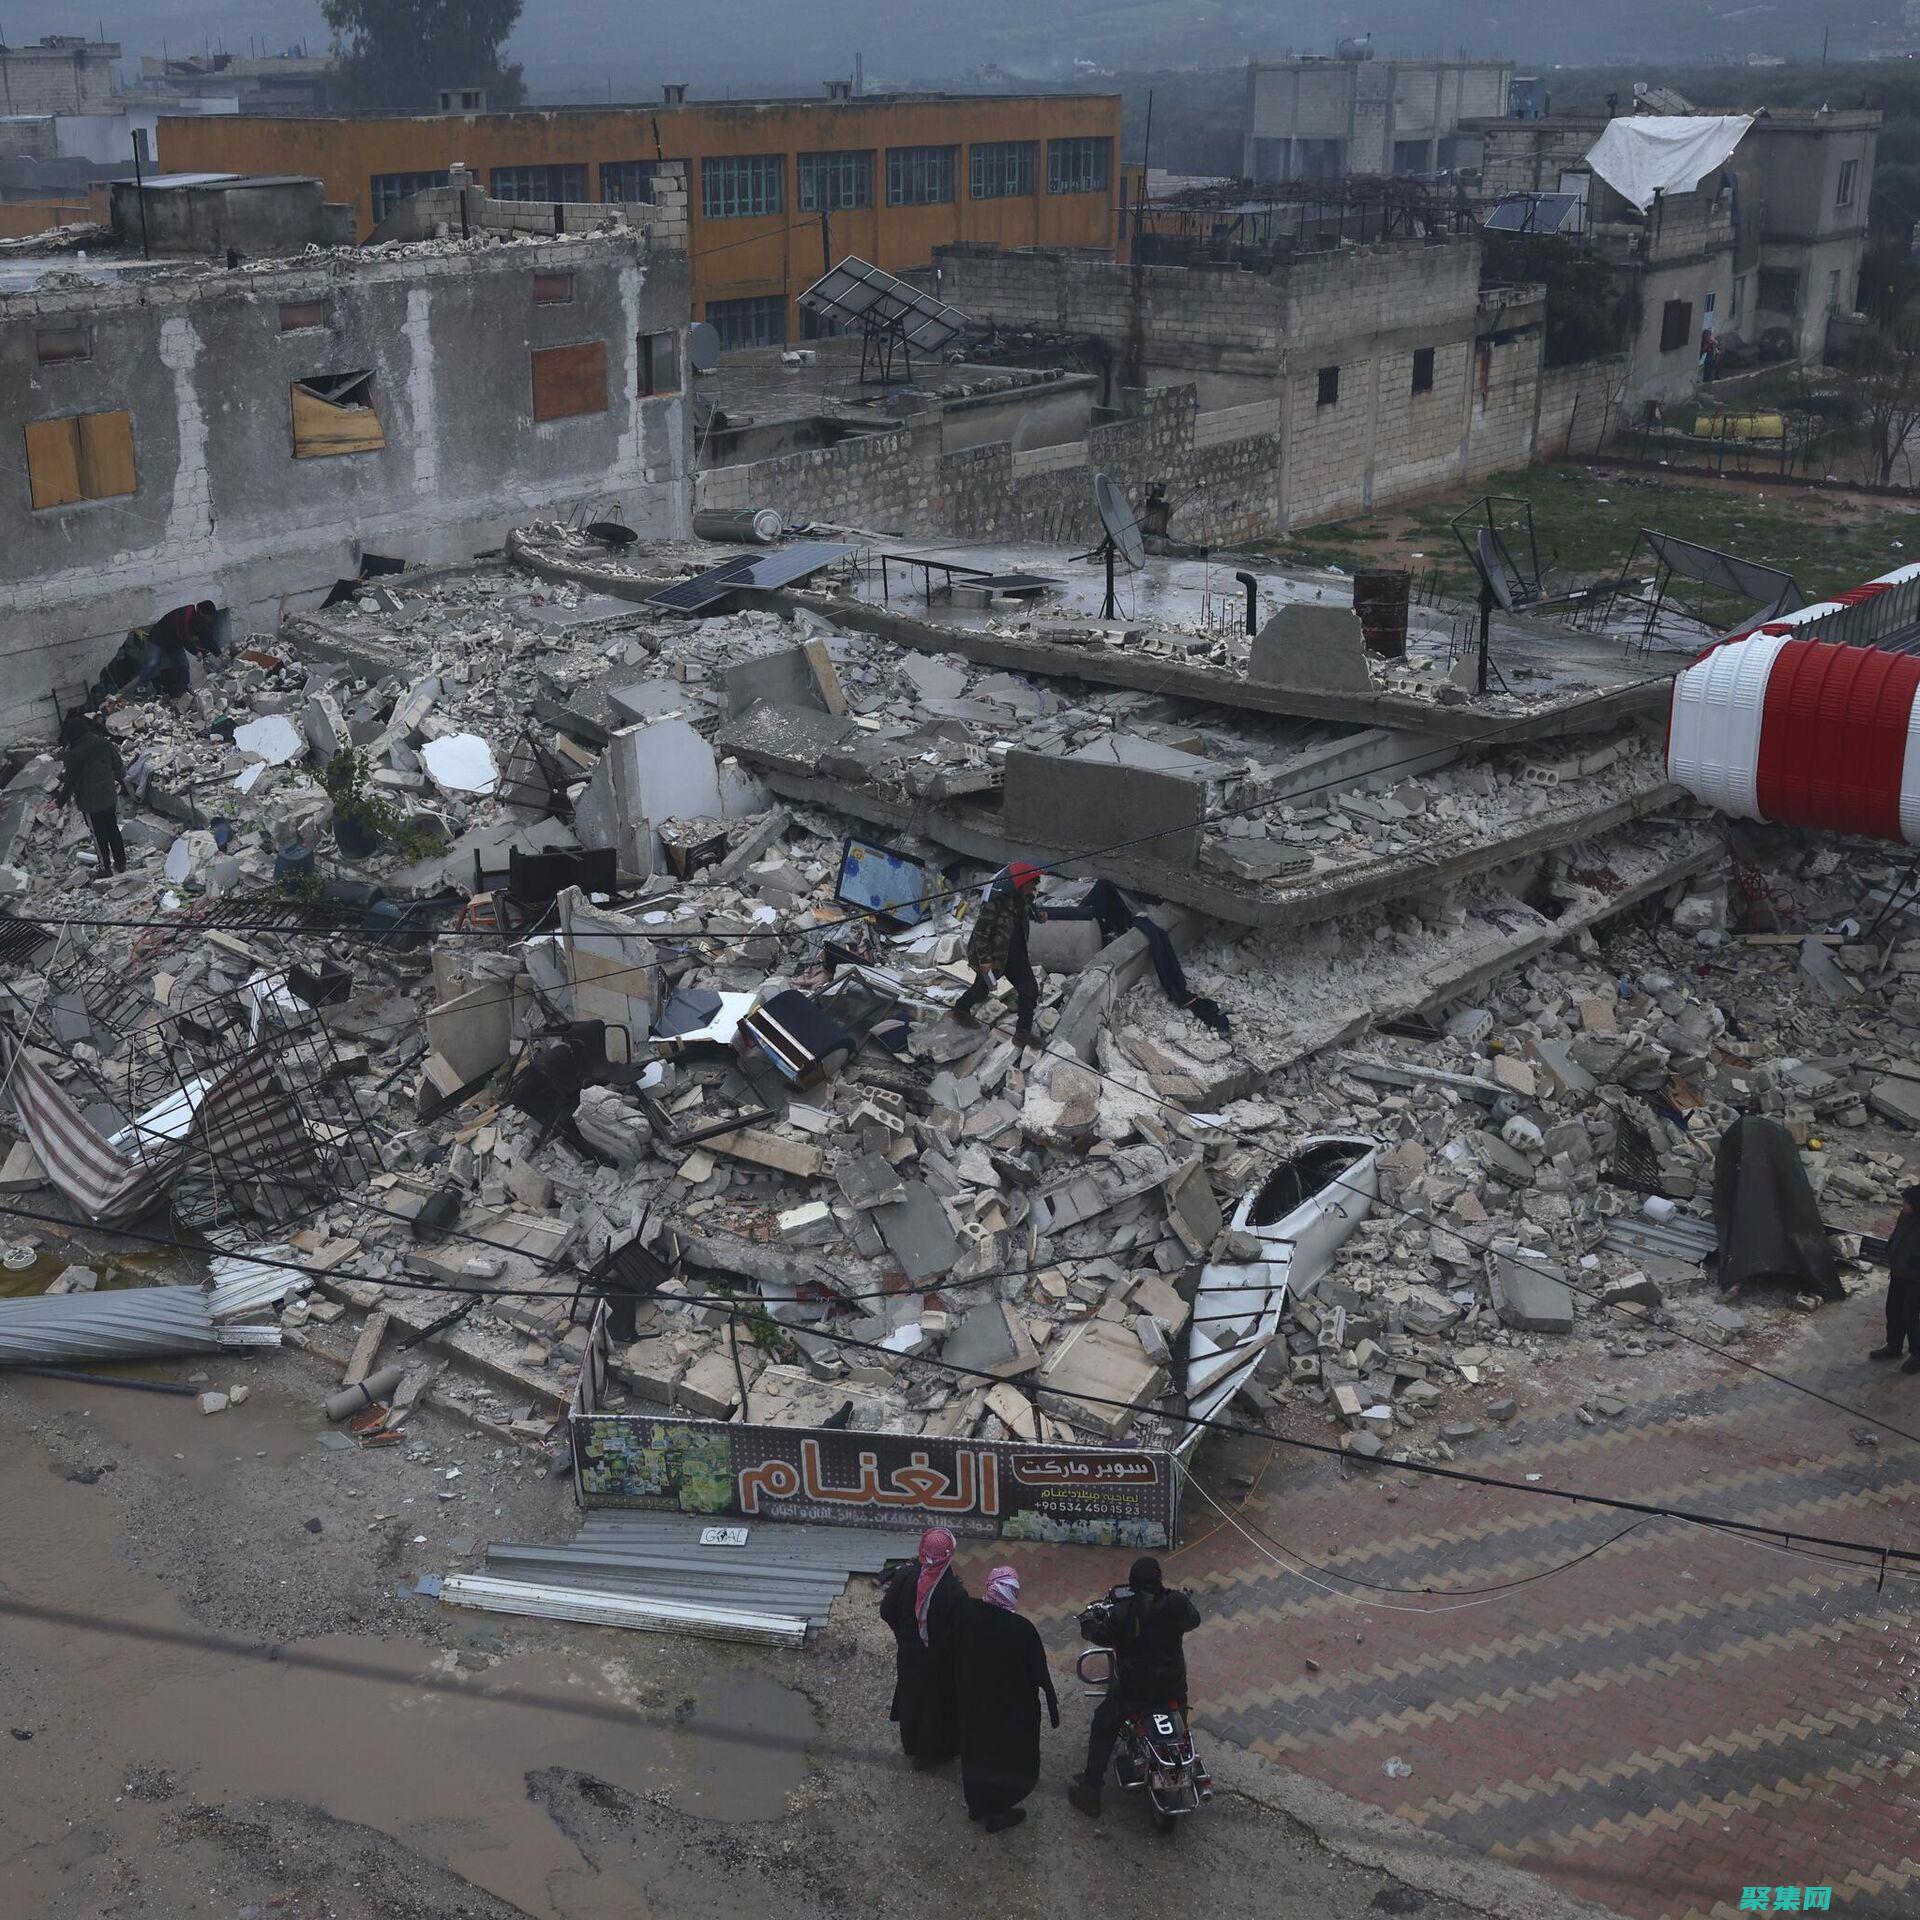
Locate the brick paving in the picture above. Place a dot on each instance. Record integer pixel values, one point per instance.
(1683, 1716)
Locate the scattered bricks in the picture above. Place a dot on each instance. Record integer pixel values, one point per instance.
(1457, 1431)
(1347, 1403)
(237, 1396)
(1152, 1341)
(1304, 1369)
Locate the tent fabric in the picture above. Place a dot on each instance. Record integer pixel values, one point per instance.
(1766, 1214)
(1648, 154)
(108, 1188)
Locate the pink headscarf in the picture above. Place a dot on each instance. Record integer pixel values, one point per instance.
(936, 1556)
(1003, 1587)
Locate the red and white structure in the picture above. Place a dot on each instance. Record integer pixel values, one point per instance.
(1804, 721)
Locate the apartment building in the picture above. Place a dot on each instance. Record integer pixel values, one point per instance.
(779, 188)
(1321, 119)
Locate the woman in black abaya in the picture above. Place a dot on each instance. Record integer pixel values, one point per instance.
(1003, 1678)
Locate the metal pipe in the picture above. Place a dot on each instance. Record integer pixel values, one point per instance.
(107, 1380)
(1253, 599)
(351, 1400)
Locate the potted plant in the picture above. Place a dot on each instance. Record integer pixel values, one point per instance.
(361, 820)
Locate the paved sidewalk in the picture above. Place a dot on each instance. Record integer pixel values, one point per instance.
(1682, 1717)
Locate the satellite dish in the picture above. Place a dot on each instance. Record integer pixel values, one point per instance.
(1493, 570)
(703, 346)
(1116, 515)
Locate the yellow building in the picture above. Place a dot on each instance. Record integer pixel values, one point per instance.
(778, 187)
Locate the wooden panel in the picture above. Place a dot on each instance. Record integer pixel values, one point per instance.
(53, 462)
(570, 380)
(322, 427)
(106, 455)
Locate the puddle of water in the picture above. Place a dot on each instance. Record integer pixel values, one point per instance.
(391, 1735)
(115, 1270)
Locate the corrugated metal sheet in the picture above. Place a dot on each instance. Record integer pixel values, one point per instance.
(241, 1286)
(792, 1572)
(1677, 1239)
(545, 1602)
(134, 1323)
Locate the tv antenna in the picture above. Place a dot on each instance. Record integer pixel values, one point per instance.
(1122, 539)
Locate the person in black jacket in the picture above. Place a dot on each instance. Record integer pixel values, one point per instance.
(920, 1605)
(998, 945)
(92, 775)
(1903, 1286)
(1152, 1622)
(1002, 1671)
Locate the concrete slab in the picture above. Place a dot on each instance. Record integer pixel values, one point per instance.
(1104, 1361)
(657, 770)
(787, 678)
(1529, 1295)
(991, 1339)
(1317, 648)
(918, 1233)
(1082, 803)
(650, 699)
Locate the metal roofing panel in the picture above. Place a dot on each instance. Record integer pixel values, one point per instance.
(132, 1323)
(617, 1610)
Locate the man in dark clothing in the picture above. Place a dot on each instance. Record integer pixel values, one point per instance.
(1150, 1668)
(998, 944)
(170, 639)
(921, 1604)
(1903, 1286)
(1002, 1671)
(92, 777)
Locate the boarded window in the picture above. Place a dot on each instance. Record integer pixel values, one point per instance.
(1329, 386)
(86, 456)
(296, 316)
(552, 289)
(1676, 325)
(1423, 369)
(659, 364)
(62, 343)
(570, 380)
(334, 413)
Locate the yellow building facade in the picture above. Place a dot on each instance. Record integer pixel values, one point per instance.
(778, 188)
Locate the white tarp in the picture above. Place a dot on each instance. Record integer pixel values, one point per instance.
(1648, 153)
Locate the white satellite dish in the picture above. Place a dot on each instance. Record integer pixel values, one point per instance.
(703, 346)
(1116, 515)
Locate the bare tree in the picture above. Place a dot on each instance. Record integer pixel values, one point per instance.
(1885, 378)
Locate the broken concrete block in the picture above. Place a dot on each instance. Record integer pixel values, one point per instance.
(1104, 1361)
(1192, 1211)
(22, 1170)
(769, 1150)
(1153, 1343)
(869, 1181)
(1896, 1100)
(213, 1402)
(786, 678)
(990, 1338)
(1014, 1411)
(1635, 1289)
(1312, 648)
(806, 1226)
(473, 1032)
(1514, 1076)
(1154, 1294)
(614, 1130)
(918, 1233)
(1529, 1294)
(710, 1388)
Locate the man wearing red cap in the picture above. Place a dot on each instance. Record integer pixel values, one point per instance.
(998, 945)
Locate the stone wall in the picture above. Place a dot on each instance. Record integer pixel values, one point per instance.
(1223, 488)
(1579, 406)
(221, 509)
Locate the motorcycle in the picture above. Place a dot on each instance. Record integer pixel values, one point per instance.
(1156, 1752)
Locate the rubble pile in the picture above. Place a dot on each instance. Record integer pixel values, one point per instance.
(597, 1015)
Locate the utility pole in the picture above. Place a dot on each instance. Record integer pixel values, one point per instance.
(826, 235)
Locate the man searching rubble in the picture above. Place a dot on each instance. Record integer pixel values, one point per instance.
(1903, 1285)
(998, 945)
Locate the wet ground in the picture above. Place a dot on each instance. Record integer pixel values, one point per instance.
(218, 1695)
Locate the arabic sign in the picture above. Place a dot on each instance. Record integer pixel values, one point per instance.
(1083, 1496)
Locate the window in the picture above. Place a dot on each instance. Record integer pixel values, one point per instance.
(569, 380)
(539, 183)
(1329, 386)
(301, 316)
(831, 181)
(1737, 298)
(389, 189)
(1833, 288)
(1779, 290)
(552, 289)
(920, 176)
(87, 456)
(1079, 165)
(1849, 180)
(1712, 300)
(1676, 325)
(759, 322)
(746, 184)
(1423, 369)
(333, 413)
(56, 344)
(1411, 156)
(1002, 169)
(622, 180)
(659, 358)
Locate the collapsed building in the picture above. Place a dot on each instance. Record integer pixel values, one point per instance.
(414, 426)
(1375, 1048)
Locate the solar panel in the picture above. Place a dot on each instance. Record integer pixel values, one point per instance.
(1533, 213)
(864, 295)
(780, 568)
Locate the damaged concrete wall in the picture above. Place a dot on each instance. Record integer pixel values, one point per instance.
(1577, 404)
(221, 509)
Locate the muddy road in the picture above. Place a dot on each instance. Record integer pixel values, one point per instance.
(219, 1695)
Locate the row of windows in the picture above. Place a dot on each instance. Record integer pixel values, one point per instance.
(1327, 391)
(90, 456)
(737, 186)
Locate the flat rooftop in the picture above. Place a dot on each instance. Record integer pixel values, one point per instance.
(580, 110)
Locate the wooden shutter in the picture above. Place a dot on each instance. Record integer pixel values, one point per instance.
(106, 455)
(322, 427)
(86, 456)
(53, 463)
(570, 380)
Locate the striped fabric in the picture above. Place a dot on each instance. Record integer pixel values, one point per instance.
(108, 1188)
